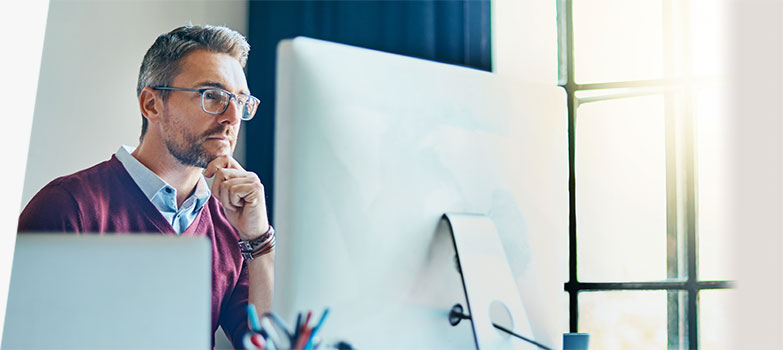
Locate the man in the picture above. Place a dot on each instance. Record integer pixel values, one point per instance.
(193, 96)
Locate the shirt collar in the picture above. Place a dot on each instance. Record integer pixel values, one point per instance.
(150, 183)
(201, 192)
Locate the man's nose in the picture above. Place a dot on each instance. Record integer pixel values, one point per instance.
(233, 113)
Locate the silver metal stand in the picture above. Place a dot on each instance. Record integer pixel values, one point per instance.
(486, 277)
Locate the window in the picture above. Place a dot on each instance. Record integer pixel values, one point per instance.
(647, 175)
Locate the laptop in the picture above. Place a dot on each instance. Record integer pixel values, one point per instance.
(114, 291)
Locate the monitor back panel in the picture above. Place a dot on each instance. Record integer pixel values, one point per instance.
(371, 150)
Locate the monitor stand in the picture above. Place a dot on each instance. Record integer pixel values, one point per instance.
(488, 282)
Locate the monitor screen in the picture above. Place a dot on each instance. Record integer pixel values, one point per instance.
(371, 150)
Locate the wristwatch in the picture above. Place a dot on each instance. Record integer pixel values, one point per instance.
(249, 247)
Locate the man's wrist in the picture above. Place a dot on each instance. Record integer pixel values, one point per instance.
(254, 236)
(264, 244)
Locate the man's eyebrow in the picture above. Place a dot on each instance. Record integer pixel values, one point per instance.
(217, 85)
(211, 84)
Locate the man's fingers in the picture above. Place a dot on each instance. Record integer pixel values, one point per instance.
(220, 190)
(225, 198)
(216, 182)
(213, 166)
(242, 191)
(232, 185)
(222, 162)
(224, 174)
(245, 194)
(228, 173)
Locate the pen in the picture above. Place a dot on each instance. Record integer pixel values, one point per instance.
(300, 344)
(304, 332)
(253, 341)
(307, 319)
(298, 324)
(309, 344)
(252, 315)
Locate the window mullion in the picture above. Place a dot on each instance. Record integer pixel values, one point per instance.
(673, 241)
(673, 250)
(688, 142)
(566, 79)
(628, 93)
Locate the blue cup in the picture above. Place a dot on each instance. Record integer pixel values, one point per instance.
(576, 341)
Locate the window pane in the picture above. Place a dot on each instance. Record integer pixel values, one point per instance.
(716, 318)
(624, 320)
(716, 258)
(709, 32)
(621, 190)
(616, 40)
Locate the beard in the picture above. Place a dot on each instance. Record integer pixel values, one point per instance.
(191, 151)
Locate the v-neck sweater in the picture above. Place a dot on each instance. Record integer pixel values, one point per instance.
(104, 199)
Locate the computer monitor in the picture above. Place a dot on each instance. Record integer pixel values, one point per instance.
(109, 292)
(372, 149)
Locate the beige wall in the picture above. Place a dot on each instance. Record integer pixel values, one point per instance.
(86, 104)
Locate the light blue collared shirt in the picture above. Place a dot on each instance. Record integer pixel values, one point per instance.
(162, 195)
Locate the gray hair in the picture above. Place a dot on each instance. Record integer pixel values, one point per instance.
(161, 64)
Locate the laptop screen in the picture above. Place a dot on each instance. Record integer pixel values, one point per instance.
(123, 291)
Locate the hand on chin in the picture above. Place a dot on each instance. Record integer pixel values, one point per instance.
(241, 194)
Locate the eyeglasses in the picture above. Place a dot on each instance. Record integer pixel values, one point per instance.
(215, 101)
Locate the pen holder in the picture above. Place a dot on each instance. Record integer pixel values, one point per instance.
(271, 332)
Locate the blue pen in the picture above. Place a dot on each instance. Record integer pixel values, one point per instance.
(252, 315)
(318, 325)
(297, 325)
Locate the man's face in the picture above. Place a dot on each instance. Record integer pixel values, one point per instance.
(191, 135)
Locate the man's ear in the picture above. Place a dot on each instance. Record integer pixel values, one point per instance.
(150, 104)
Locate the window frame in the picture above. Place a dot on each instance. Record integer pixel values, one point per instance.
(681, 186)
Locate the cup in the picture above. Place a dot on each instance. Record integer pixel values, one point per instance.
(576, 341)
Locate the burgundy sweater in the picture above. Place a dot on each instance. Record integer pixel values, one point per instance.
(105, 199)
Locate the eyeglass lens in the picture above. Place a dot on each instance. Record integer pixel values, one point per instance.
(216, 101)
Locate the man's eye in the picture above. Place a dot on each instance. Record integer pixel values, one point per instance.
(212, 95)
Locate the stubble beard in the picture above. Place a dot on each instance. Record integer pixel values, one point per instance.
(194, 155)
(191, 151)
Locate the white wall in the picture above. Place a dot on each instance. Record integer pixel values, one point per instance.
(524, 48)
(86, 104)
(524, 40)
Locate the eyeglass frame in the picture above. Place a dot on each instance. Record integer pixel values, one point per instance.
(201, 93)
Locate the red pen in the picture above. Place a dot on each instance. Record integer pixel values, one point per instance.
(253, 341)
(300, 344)
(300, 341)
